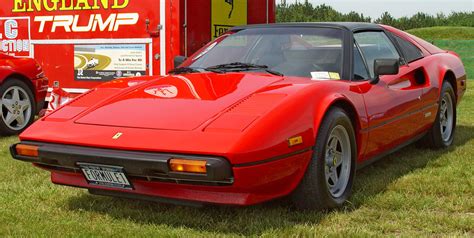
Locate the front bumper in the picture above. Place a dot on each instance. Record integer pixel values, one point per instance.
(140, 165)
(149, 173)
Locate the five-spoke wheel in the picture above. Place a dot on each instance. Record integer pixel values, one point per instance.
(16, 107)
(338, 161)
(446, 116)
(330, 174)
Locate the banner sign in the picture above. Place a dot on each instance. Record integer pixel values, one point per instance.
(226, 14)
(72, 19)
(108, 62)
(15, 38)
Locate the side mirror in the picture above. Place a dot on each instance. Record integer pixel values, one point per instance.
(178, 60)
(385, 67)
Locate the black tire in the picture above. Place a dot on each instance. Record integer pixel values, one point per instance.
(434, 139)
(8, 84)
(313, 192)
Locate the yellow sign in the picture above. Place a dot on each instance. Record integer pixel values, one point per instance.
(333, 75)
(226, 14)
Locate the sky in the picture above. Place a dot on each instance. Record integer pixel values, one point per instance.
(397, 8)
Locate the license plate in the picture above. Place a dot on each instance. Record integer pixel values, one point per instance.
(105, 176)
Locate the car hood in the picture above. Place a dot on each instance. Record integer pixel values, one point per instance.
(175, 102)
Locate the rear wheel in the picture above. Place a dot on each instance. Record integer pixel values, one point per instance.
(441, 135)
(17, 107)
(330, 174)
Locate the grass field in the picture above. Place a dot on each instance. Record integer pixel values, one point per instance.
(457, 39)
(444, 33)
(414, 192)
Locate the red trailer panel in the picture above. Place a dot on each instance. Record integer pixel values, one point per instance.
(82, 43)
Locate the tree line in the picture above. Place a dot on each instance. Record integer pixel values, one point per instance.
(307, 12)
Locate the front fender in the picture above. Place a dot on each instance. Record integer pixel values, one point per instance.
(353, 103)
(300, 114)
(26, 67)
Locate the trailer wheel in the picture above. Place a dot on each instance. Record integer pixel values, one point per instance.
(17, 107)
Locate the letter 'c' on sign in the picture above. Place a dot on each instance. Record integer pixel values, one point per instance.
(11, 29)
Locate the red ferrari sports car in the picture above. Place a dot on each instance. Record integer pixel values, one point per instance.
(264, 111)
(23, 89)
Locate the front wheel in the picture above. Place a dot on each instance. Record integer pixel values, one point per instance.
(329, 178)
(17, 107)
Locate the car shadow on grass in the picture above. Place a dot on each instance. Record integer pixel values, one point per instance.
(370, 182)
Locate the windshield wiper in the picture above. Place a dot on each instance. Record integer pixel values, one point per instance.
(184, 70)
(239, 66)
(188, 70)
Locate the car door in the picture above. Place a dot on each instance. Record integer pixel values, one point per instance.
(394, 103)
(420, 66)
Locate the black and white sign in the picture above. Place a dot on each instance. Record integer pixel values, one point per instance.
(105, 176)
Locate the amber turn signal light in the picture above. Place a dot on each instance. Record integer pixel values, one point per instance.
(27, 150)
(296, 140)
(188, 166)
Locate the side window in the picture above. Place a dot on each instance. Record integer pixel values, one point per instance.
(375, 45)
(360, 71)
(410, 51)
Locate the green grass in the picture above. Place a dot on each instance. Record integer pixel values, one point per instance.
(457, 39)
(444, 33)
(465, 49)
(413, 192)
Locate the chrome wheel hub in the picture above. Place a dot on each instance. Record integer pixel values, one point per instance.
(16, 108)
(446, 117)
(338, 161)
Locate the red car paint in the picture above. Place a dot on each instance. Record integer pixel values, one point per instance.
(246, 118)
(27, 70)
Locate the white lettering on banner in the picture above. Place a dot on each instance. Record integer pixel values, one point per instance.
(43, 20)
(11, 29)
(126, 19)
(103, 25)
(16, 42)
(15, 45)
(62, 21)
(70, 22)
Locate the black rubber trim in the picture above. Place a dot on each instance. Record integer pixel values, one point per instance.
(350, 26)
(395, 149)
(279, 157)
(136, 164)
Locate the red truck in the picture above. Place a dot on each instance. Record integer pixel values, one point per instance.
(82, 43)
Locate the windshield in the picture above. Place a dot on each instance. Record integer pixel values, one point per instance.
(298, 51)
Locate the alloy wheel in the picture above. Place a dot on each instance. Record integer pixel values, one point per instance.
(446, 117)
(338, 161)
(16, 108)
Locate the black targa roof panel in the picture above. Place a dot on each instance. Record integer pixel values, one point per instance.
(351, 26)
